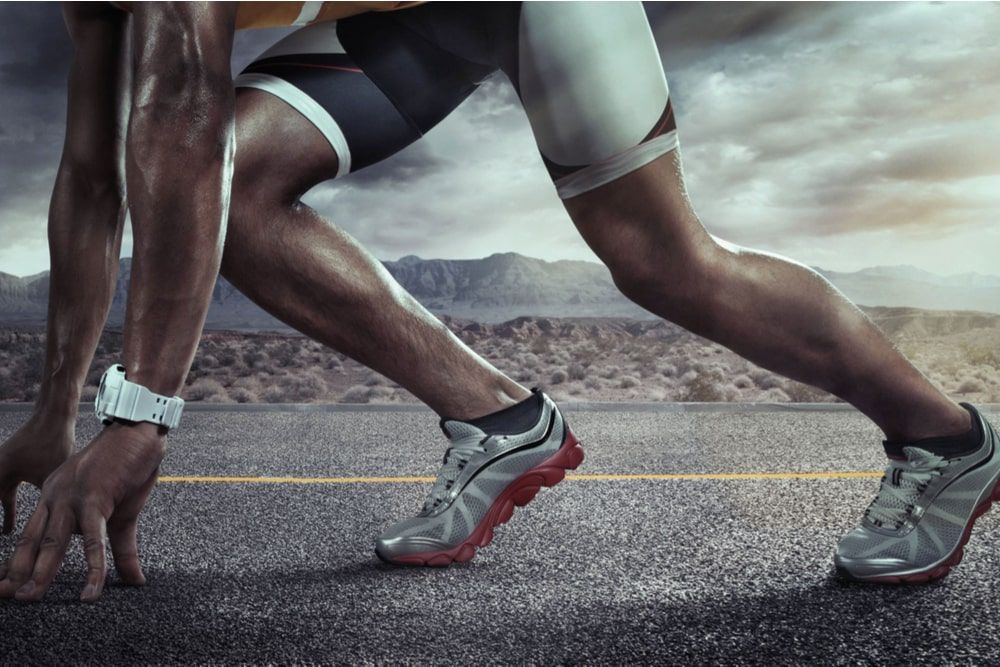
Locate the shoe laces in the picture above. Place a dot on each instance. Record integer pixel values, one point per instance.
(902, 485)
(455, 459)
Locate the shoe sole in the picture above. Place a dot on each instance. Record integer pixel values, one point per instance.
(939, 571)
(518, 493)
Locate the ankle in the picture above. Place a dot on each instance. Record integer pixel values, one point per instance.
(952, 421)
(500, 396)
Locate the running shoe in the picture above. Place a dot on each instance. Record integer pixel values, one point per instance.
(484, 476)
(916, 528)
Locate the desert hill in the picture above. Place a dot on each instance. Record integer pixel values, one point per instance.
(504, 286)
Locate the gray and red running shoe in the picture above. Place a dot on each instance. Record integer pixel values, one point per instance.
(916, 528)
(483, 478)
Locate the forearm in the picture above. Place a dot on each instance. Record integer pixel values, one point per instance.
(178, 168)
(87, 210)
(85, 227)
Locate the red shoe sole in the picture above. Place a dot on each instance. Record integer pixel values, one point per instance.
(944, 568)
(520, 492)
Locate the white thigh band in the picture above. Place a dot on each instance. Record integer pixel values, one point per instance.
(605, 171)
(306, 106)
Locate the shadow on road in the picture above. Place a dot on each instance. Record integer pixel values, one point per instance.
(369, 610)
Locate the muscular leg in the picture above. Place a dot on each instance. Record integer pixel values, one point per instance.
(314, 277)
(779, 314)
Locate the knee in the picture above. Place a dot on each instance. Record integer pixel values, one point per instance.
(660, 275)
(250, 212)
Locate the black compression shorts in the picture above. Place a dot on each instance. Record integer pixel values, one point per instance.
(588, 74)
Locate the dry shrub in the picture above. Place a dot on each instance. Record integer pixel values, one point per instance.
(705, 388)
(285, 353)
(611, 372)
(768, 380)
(228, 358)
(374, 380)
(223, 377)
(302, 387)
(668, 370)
(380, 393)
(655, 394)
(203, 388)
(356, 394)
(982, 355)
(274, 394)
(242, 395)
(803, 393)
(628, 381)
(558, 376)
(577, 372)
(529, 360)
(207, 361)
(251, 384)
(971, 386)
(541, 345)
(775, 395)
(742, 382)
(593, 384)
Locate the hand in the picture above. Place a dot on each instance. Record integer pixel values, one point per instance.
(30, 455)
(99, 492)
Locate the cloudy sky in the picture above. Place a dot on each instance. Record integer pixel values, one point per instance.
(844, 135)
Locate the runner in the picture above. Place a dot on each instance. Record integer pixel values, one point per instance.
(339, 95)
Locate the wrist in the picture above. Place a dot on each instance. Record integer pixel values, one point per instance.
(52, 422)
(152, 439)
(58, 402)
(144, 429)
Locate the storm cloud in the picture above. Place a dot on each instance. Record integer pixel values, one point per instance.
(845, 135)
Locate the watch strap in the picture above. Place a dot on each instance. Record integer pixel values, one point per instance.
(138, 404)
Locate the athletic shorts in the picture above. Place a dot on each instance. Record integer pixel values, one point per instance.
(587, 73)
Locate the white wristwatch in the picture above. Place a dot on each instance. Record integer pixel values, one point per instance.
(120, 398)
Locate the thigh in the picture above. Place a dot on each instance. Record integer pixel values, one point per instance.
(368, 84)
(590, 78)
(280, 154)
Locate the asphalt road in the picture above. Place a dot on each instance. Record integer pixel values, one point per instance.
(665, 570)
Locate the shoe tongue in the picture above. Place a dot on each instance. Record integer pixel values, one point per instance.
(457, 431)
(918, 456)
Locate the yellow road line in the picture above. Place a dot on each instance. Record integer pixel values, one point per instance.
(205, 479)
(209, 479)
(728, 475)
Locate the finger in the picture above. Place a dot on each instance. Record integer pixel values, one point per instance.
(50, 554)
(125, 548)
(9, 500)
(122, 533)
(23, 560)
(94, 532)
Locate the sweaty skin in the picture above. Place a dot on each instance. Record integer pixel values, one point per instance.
(351, 296)
(316, 278)
(178, 154)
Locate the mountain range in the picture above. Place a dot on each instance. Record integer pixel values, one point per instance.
(508, 285)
